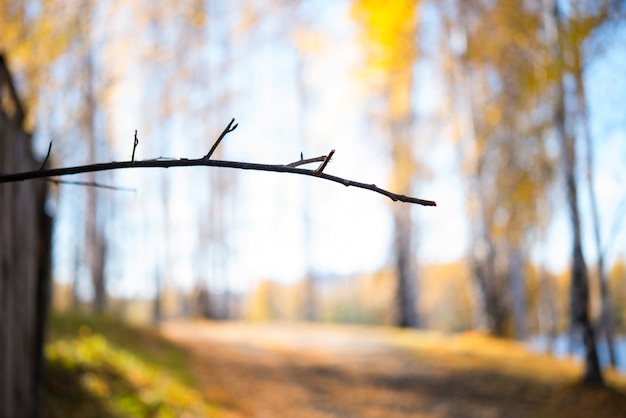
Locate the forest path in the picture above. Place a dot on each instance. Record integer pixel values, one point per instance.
(316, 370)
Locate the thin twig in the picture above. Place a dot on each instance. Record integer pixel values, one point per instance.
(43, 165)
(92, 184)
(226, 130)
(135, 143)
(279, 168)
(307, 161)
(325, 163)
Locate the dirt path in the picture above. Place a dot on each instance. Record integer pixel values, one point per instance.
(333, 371)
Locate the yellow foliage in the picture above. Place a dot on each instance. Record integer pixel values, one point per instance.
(32, 43)
(493, 114)
(389, 33)
(389, 30)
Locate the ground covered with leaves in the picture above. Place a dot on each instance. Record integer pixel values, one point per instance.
(197, 368)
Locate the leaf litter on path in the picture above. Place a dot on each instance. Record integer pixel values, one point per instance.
(322, 370)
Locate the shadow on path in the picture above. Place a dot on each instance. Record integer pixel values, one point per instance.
(334, 371)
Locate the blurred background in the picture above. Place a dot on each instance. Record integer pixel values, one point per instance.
(498, 111)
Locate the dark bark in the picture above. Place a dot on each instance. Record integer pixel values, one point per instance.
(44, 279)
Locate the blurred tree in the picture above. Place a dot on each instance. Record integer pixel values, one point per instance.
(37, 35)
(389, 38)
(580, 29)
(292, 22)
(33, 35)
(88, 75)
(304, 42)
(187, 56)
(503, 142)
(510, 170)
(556, 25)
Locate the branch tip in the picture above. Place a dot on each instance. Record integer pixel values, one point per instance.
(135, 143)
(229, 128)
(325, 162)
(302, 161)
(43, 165)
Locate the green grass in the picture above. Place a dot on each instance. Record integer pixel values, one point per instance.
(97, 366)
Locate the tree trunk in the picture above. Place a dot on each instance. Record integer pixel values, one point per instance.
(157, 306)
(518, 292)
(493, 311)
(310, 286)
(486, 277)
(406, 312)
(579, 297)
(490, 312)
(547, 317)
(402, 180)
(579, 308)
(96, 242)
(605, 322)
(98, 255)
(579, 302)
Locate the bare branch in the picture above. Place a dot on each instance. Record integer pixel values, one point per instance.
(226, 130)
(279, 168)
(92, 184)
(207, 162)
